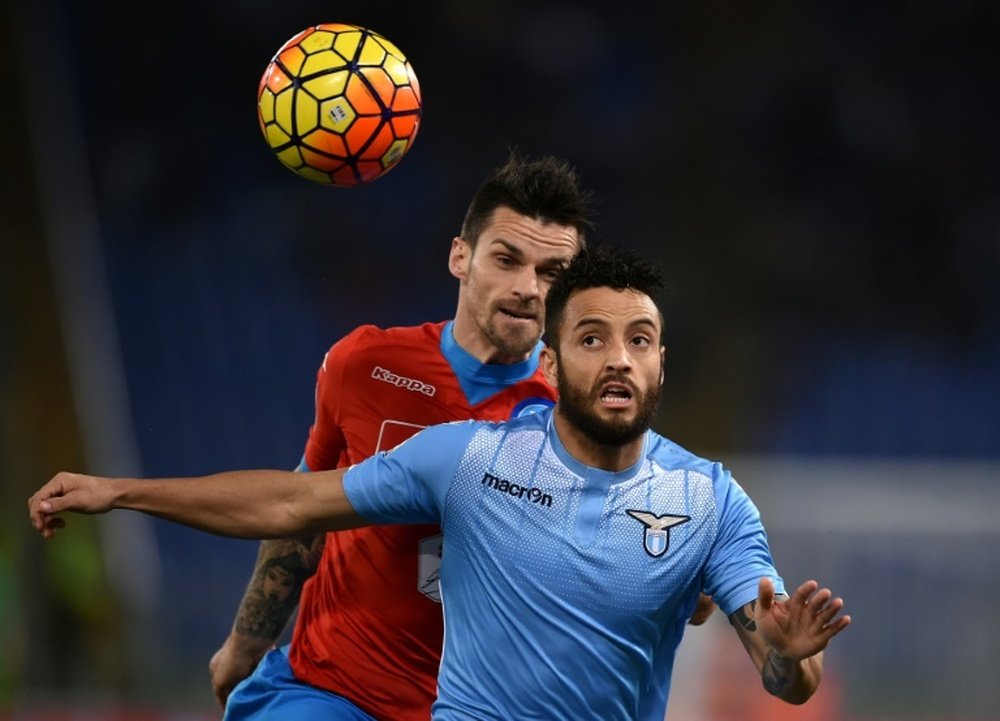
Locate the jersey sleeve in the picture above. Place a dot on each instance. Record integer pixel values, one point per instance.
(741, 555)
(326, 443)
(409, 483)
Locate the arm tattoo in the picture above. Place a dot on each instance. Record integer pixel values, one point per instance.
(744, 617)
(777, 674)
(283, 566)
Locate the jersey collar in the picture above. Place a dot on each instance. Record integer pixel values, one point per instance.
(479, 380)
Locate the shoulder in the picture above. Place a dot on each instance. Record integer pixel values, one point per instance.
(371, 341)
(531, 418)
(466, 429)
(671, 456)
(437, 441)
(374, 337)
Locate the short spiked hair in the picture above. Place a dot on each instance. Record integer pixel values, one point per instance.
(545, 188)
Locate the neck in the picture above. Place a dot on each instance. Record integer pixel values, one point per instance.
(583, 448)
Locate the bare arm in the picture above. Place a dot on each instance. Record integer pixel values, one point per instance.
(786, 637)
(268, 604)
(241, 504)
(282, 568)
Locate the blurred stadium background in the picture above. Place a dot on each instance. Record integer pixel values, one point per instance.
(819, 180)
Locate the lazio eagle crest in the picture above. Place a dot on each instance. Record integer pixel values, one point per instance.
(656, 530)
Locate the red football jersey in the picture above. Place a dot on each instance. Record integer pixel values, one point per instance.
(369, 626)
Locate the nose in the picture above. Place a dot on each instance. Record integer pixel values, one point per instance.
(618, 359)
(526, 284)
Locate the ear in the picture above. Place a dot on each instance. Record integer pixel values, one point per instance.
(663, 363)
(550, 365)
(459, 258)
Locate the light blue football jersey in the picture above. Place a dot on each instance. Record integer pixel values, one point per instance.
(566, 589)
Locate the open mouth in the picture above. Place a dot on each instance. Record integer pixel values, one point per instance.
(616, 394)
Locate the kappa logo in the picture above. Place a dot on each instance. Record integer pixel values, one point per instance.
(656, 530)
(411, 384)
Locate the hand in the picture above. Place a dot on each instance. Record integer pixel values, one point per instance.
(702, 611)
(68, 492)
(229, 666)
(801, 626)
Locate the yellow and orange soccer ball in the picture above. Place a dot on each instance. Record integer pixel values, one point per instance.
(339, 104)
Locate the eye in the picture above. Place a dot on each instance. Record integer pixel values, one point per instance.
(590, 341)
(642, 341)
(550, 274)
(505, 261)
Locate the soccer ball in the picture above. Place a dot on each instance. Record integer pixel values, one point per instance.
(339, 104)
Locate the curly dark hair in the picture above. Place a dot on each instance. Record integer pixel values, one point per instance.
(545, 188)
(598, 267)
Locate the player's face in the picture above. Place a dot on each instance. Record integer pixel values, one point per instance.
(501, 303)
(609, 369)
(278, 583)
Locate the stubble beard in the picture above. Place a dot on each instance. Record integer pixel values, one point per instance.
(511, 344)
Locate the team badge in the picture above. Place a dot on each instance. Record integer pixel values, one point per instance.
(531, 405)
(656, 530)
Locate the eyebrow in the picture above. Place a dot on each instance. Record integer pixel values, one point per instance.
(511, 248)
(591, 320)
(551, 260)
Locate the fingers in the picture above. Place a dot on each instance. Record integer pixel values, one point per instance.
(804, 592)
(703, 610)
(820, 598)
(49, 506)
(823, 608)
(827, 616)
(765, 594)
(48, 525)
(803, 624)
(820, 605)
(47, 502)
(837, 626)
(39, 513)
(219, 687)
(222, 693)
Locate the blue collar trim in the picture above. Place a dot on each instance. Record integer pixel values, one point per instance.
(478, 380)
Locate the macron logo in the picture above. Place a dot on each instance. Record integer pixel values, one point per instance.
(410, 384)
(535, 495)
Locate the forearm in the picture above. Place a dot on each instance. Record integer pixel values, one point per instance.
(792, 670)
(794, 681)
(262, 616)
(241, 504)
